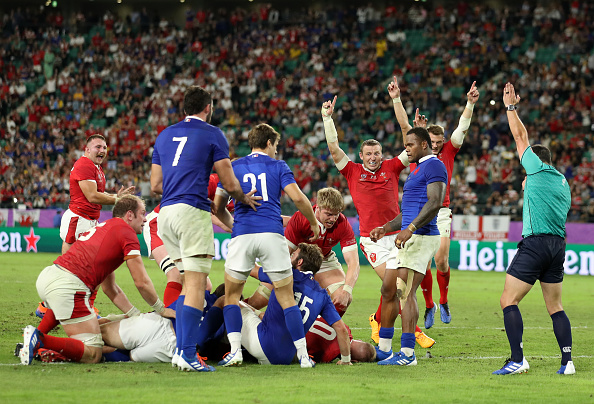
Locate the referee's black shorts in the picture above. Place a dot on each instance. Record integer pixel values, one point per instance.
(539, 257)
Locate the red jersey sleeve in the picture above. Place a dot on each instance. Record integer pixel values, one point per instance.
(84, 170)
(213, 180)
(293, 232)
(129, 242)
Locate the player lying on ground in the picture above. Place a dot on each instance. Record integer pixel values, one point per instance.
(67, 285)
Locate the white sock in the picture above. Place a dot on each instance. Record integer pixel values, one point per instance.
(234, 340)
(408, 351)
(301, 346)
(385, 344)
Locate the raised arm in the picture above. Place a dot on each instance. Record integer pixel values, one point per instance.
(304, 206)
(399, 110)
(518, 130)
(464, 123)
(338, 155)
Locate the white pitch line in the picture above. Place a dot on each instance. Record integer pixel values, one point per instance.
(481, 328)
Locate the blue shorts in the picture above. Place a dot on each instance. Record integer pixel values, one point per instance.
(539, 257)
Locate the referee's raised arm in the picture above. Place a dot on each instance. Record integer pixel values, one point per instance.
(518, 130)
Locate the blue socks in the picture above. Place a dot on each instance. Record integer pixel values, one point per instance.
(294, 323)
(191, 319)
(514, 327)
(562, 329)
(179, 322)
(233, 321)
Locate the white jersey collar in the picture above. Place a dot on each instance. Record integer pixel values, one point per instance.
(194, 117)
(426, 158)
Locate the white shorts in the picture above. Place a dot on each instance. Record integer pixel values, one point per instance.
(249, 334)
(65, 294)
(270, 248)
(378, 253)
(186, 231)
(415, 254)
(330, 263)
(149, 338)
(73, 225)
(150, 233)
(444, 222)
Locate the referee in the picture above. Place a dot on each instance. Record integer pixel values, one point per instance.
(541, 253)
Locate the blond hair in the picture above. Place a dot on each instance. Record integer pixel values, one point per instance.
(436, 130)
(331, 199)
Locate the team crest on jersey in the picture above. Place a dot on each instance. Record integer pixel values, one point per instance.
(383, 174)
(372, 257)
(187, 120)
(363, 176)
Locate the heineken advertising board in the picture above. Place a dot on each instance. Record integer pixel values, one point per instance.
(466, 255)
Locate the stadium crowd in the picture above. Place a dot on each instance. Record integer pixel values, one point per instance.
(63, 78)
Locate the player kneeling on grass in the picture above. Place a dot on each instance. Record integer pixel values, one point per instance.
(67, 285)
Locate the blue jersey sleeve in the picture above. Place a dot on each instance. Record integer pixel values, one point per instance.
(530, 161)
(156, 158)
(220, 147)
(329, 312)
(436, 172)
(286, 175)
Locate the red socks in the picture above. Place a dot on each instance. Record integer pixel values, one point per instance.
(48, 322)
(172, 291)
(427, 288)
(378, 313)
(443, 280)
(71, 348)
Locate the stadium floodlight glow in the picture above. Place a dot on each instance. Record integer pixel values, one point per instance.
(182, 1)
(119, 1)
(15, 200)
(48, 2)
(492, 102)
(54, 3)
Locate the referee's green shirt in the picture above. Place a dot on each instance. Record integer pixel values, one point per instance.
(547, 197)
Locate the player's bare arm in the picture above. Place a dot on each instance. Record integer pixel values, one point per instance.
(344, 295)
(145, 286)
(342, 336)
(399, 110)
(518, 130)
(338, 155)
(157, 179)
(232, 186)
(89, 189)
(117, 296)
(435, 195)
(304, 206)
(379, 232)
(464, 123)
(220, 212)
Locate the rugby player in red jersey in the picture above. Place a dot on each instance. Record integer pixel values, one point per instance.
(446, 152)
(322, 344)
(372, 184)
(67, 285)
(335, 229)
(87, 192)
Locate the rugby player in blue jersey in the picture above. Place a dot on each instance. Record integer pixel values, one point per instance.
(416, 244)
(183, 158)
(259, 234)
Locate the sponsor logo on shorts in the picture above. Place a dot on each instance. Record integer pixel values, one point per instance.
(372, 257)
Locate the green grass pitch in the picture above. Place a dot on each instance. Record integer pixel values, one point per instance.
(459, 369)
